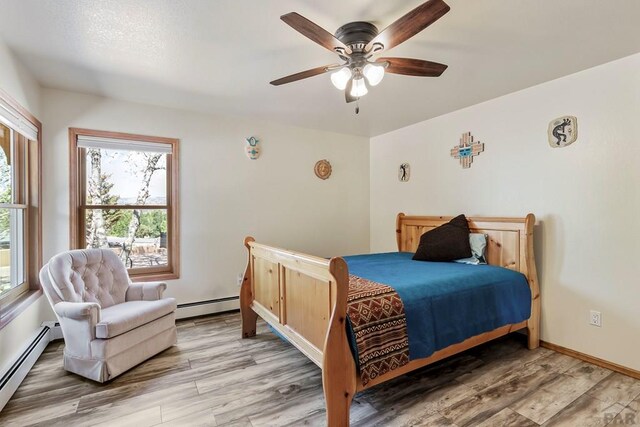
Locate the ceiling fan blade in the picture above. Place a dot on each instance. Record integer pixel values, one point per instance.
(347, 92)
(314, 32)
(303, 75)
(410, 24)
(413, 67)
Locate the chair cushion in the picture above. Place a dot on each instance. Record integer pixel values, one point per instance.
(124, 317)
(139, 337)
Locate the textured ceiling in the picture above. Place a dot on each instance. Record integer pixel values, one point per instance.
(218, 56)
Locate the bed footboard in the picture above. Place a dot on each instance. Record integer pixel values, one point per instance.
(304, 298)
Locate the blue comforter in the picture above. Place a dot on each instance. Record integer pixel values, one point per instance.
(445, 302)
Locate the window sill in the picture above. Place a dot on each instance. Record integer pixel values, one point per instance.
(153, 277)
(11, 311)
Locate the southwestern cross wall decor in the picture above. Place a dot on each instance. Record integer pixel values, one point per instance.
(466, 150)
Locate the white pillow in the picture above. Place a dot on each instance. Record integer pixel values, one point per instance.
(478, 243)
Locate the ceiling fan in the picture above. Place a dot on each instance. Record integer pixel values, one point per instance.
(356, 43)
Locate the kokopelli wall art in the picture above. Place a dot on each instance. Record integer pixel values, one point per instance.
(563, 131)
(404, 172)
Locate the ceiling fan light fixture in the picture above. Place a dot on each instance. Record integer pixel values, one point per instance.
(359, 88)
(374, 73)
(340, 78)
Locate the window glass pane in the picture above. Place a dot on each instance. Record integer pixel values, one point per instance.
(6, 171)
(11, 249)
(138, 236)
(123, 177)
(18, 266)
(5, 251)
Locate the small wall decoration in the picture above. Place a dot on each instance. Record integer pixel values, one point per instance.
(404, 172)
(322, 169)
(563, 131)
(466, 150)
(252, 148)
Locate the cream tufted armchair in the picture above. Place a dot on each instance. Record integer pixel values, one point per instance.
(109, 324)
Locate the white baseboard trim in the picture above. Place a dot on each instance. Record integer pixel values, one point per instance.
(14, 373)
(202, 308)
(55, 331)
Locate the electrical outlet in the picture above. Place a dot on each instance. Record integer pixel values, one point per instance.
(596, 318)
(240, 278)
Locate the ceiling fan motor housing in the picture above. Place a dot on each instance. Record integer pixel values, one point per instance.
(356, 35)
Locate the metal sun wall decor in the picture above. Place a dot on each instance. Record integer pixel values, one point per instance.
(466, 150)
(322, 169)
(404, 172)
(563, 131)
(252, 147)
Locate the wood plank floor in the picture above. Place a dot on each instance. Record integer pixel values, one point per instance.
(213, 378)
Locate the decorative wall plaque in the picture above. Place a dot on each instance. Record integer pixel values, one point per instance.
(252, 148)
(466, 150)
(563, 131)
(322, 169)
(404, 172)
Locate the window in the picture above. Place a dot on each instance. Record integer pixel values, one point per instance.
(20, 254)
(124, 197)
(12, 212)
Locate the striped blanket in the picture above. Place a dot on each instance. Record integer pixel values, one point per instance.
(379, 325)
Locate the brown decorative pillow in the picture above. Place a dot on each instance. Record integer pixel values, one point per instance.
(448, 242)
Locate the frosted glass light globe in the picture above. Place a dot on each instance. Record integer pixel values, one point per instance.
(359, 88)
(373, 73)
(340, 78)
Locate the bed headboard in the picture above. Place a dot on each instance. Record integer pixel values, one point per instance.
(509, 245)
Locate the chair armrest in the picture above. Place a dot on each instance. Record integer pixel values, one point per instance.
(78, 310)
(149, 291)
(78, 321)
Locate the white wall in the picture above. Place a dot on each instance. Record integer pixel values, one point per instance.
(585, 196)
(224, 195)
(16, 81)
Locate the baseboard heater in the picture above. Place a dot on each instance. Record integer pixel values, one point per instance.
(18, 369)
(201, 308)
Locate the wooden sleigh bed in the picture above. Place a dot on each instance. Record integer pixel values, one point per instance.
(304, 298)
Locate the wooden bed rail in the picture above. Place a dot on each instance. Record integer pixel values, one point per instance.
(304, 298)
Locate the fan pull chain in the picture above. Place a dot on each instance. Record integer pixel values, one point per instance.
(358, 106)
